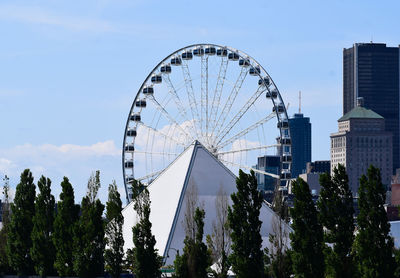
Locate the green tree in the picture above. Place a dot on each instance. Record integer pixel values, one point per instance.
(373, 245)
(43, 251)
(64, 223)
(243, 217)
(307, 236)
(146, 259)
(19, 233)
(89, 233)
(336, 212)
(114, 252)
(195, 258)
(4, 266)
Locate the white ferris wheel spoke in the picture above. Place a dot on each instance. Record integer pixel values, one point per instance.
(251, 168)
(204, 93)
(169, 117)
(231, 99)
(245, 131)
(190, 92)
(218, 91)
(249, 149)
(178, 102)
(153, 174)
(162, 134)
(240, 114)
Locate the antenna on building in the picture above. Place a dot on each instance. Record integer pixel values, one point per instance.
(299, 102)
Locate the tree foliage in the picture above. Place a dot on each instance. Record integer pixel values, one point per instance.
(114, 252)
(373, 245)
(195, 258)
(19, 231)
(64, 224)
(43, 251)
(146, 259)
(307, 236)
(247, 256)
(89, 233)
(4, 265)
(336, 216)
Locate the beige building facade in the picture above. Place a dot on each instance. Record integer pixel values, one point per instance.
(360, 142)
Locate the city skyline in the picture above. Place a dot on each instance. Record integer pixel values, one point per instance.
(69, 73)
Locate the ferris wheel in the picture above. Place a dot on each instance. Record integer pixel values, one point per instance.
(217, 95)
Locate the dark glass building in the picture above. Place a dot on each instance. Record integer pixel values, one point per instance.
(270, 164)
(300, 132)
(371, 71)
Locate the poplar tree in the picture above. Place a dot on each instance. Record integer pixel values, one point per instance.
(89, 233)
(43, 251)
(243, 217)
(4, 266)
(336, 212)
(114, 240)
(373, 244)
(146, 259)
(64, 223)
(307, 236)
(19, 231)
(195, 258)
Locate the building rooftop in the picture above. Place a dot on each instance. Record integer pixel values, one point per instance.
(360, 112)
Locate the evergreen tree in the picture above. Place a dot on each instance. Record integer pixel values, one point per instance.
(336, 216)
(43, 251)
(147, 262)
(89, 233)
(195, 258)
(19, 233)
(64, 223)
(373, 245)
(243, 217)
(307, 236)
(114, 240)
(4, 266)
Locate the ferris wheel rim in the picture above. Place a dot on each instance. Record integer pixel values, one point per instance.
(262, 73)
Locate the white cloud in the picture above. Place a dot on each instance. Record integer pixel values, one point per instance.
(66, 151)
(5, 165)
(56, 161)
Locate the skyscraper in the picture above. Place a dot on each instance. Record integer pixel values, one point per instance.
(300, 132)
(371, 71)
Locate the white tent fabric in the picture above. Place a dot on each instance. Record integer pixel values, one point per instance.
(194, 168)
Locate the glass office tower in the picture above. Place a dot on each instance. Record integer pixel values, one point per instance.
(300, 132)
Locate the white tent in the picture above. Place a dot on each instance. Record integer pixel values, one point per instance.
(196, 168)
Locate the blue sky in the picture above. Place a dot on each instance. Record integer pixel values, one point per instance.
(69, 70)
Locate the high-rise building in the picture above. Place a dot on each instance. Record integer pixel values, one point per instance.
(300, 132)
(371, 71)
(360, 142)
